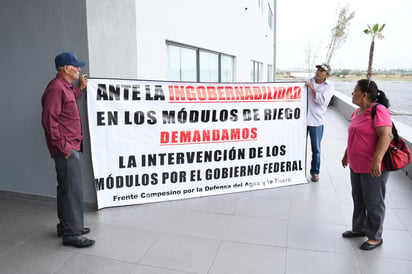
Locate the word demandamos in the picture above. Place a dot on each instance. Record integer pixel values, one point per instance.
(208, 135)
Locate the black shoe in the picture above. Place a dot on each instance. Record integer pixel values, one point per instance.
(79, 241)
(85, 230)
(351, 234)
(368, 246)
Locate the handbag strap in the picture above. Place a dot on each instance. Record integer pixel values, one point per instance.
(394, 130)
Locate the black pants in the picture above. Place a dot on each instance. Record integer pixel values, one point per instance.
(368, 195)
(69, 194)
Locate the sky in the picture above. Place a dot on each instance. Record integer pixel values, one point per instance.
(303, 25)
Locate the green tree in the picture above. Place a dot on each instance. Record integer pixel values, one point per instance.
(376, 31)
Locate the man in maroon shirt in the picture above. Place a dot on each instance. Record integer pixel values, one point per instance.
(62, 127)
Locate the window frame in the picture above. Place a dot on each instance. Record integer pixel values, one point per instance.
(198, 65)
(257, 71)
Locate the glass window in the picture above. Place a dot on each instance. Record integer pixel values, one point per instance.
(227, 68)
(188, 64)
(260, 4)
(181, 64)
(270, 17)
(270, 73)
(173, 63)
(256, 73)
(191, 64)
(209, 66)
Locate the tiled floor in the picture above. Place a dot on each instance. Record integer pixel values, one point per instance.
(293, 229)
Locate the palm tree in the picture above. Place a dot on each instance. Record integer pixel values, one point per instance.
(376, 31)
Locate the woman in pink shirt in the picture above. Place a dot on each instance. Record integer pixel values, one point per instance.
(368, 140)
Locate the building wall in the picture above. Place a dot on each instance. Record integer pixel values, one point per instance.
(234, 27)
(32, 34)
(111, 26)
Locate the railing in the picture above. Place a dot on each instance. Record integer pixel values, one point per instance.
(345, 107)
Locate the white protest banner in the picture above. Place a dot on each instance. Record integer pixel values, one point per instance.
(158, 141)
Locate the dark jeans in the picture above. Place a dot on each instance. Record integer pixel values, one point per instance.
(69, 194)
(368, 195)
(315, 134)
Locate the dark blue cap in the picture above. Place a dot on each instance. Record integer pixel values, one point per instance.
(67, 59)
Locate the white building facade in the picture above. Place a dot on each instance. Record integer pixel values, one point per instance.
(182, 40)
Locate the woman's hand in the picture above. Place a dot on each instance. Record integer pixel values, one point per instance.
(345, 159)
(384, 138)
(376, 168)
